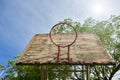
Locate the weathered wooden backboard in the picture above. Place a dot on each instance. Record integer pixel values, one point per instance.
(87, 49)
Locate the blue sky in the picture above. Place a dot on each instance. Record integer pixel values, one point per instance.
(21, 19)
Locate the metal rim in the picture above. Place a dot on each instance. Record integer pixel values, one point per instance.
(50, 35)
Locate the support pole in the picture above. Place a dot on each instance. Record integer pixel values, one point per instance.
(47, 75)
(83, 76)
(58, 56)
(88, 73)
(68, 53)
(42, 73)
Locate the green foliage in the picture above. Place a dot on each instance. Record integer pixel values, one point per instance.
(1, 66)
(109, 33)
(62, 74)
(33, 72)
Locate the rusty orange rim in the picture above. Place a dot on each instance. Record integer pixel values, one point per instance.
(50, 34)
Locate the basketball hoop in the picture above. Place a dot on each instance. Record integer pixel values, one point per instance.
(60, 35)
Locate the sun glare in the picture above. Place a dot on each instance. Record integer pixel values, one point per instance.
(98, 9)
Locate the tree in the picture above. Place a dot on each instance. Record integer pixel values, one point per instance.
(109, 33)
(1, 69)
(32, 72)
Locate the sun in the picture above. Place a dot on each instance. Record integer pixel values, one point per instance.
(98, 9)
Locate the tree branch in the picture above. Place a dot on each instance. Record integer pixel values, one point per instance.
(114, 71)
